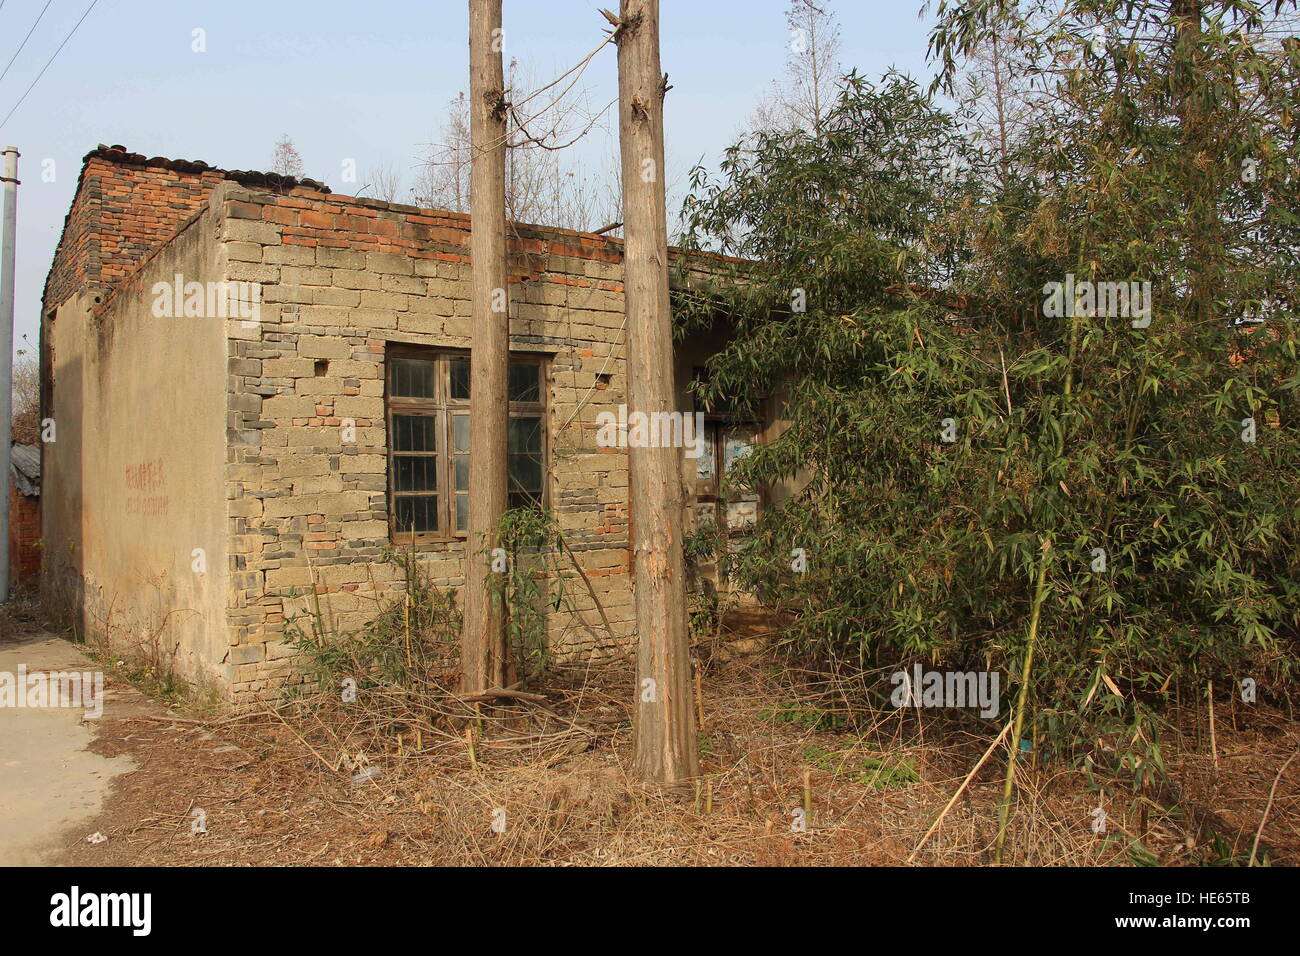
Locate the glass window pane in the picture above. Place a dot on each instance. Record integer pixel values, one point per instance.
(416, 473)
(705, 465)
(741, 514)
(522, 499)
(462, 512)
(526, 473)
(522, 384)
(417, 513)
(460, 436)
(525, 434)
(461, 463)
(460, 378)
(735, 446)
(412, 378)
(414, 433)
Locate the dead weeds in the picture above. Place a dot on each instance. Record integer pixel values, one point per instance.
(795, 773)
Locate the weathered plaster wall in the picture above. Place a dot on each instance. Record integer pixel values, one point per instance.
(135, 478)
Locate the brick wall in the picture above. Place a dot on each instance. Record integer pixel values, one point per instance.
(123, 211)
(343, 279)
(126, 206)
(24, 535)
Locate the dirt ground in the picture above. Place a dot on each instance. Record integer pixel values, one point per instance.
(787, 780)
(49, 780)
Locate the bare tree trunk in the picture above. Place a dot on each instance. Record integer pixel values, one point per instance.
(483, 640)
(1004, 151)
(1205, 252)
(664, 727)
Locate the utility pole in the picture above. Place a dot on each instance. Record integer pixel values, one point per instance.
(7, 244)
(483, 634)
(664, 734)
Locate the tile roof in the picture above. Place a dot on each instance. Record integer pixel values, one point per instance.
(246, 177)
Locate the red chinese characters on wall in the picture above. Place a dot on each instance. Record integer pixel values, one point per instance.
(146, 485)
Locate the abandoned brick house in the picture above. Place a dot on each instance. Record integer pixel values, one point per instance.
(213, 465)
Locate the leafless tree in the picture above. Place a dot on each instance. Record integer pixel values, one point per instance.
(1002, 100)
(443, 180)
(384, 182)
(543, 185)
(27, 399)
(286, 161)
(806, 94)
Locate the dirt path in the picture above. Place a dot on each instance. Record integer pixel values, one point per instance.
(65, 775)
(52, 783)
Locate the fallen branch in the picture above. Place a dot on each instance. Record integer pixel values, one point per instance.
(600, 608)
(502, 693)
(960, 790)
(1269, 806)
(167, 718)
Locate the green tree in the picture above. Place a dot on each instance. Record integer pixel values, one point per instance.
(981, 465)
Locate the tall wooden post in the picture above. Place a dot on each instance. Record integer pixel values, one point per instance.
(483, 639)
(664, 726)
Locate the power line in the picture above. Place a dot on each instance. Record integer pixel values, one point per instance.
(47, 64)
(26, 38)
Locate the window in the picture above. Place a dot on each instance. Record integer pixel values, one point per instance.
(428, 440)
(724, 445)
(727, 438)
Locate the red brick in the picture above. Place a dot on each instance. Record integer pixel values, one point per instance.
(310, 217)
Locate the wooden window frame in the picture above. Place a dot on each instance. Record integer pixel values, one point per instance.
(442, 407)
(722, 421)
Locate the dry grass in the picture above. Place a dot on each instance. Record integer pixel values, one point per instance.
(21, 615)
(420, 779)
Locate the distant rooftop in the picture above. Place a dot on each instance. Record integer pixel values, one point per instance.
(25, 469)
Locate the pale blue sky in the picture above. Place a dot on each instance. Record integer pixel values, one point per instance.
(368, 81)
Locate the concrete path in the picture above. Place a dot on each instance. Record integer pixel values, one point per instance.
(51, 785)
